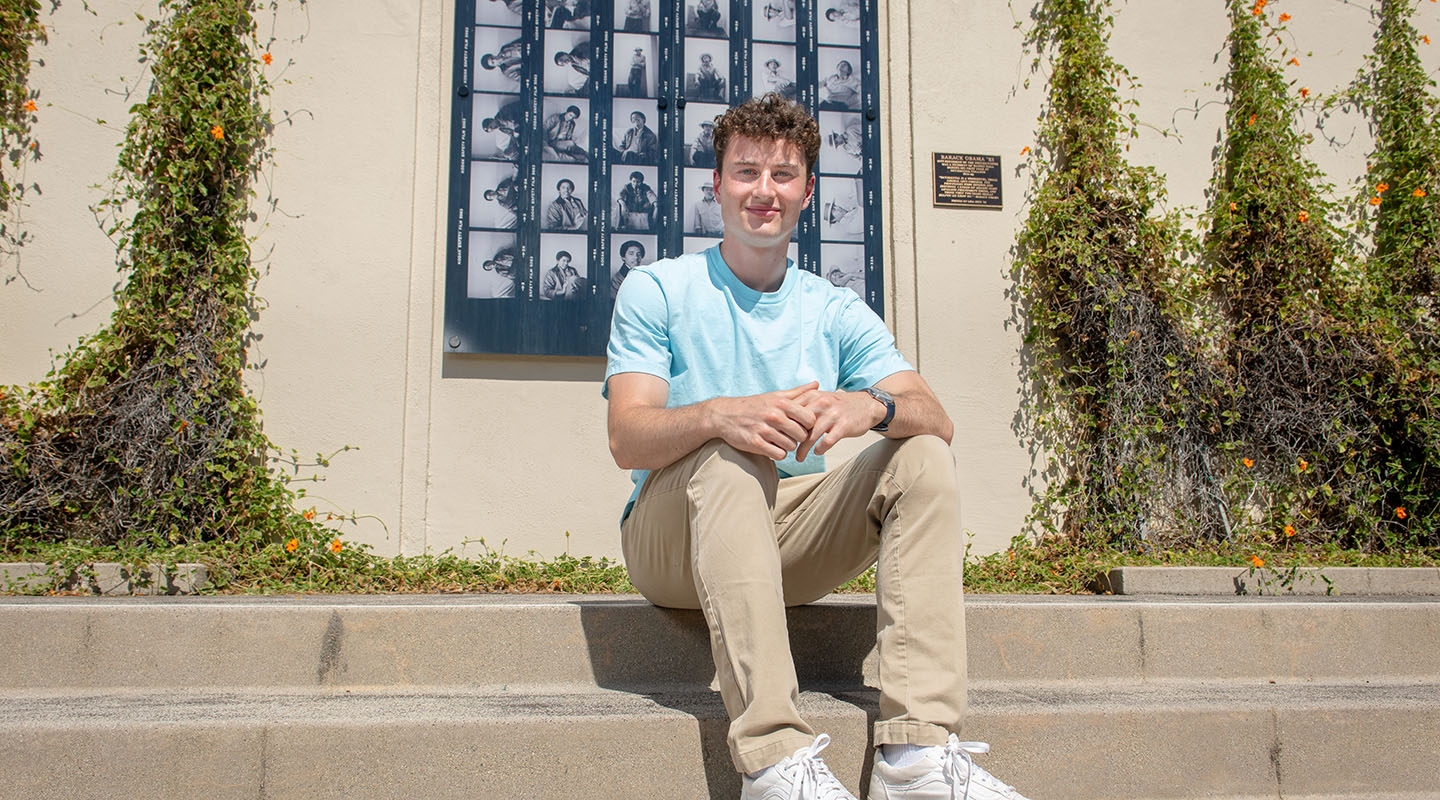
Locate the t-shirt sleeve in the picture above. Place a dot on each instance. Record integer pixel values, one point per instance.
(639, 330)
(867, 350)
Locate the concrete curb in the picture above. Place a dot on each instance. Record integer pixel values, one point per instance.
(1306, 581)
(105, 578)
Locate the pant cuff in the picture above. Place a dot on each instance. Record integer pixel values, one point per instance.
(924, 734)
(774, 749)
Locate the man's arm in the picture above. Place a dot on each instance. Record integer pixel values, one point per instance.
(842, 415)
(644, 434)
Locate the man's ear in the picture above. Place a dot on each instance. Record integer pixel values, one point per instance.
(809, 191)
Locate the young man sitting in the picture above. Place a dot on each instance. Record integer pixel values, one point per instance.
(731, 373)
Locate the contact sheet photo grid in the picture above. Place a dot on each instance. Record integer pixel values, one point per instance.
(583, 147)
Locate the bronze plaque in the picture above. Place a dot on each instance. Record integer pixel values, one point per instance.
(967, 181)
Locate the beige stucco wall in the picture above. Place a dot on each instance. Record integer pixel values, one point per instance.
(454, 449)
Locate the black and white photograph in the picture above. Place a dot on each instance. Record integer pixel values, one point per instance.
(497, 126)
(842, 212)
(633, 126)
(699, 133)
(706, 18)
(636, 203)
(495, 195)
(839, 22)
(773, 21)
(839, 78)
(495, 267)
(630, 252)
(773, 70)
(635, 60)
(565, 130)
(635, 16)
(563, 196)
(844, 265)
(572, 15)
(499, 12)
(842, 143)
(707, 71)
(564, 274)
(701, 208)
(567, 62)
(499, 60)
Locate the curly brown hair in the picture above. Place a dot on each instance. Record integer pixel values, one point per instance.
(769, 117)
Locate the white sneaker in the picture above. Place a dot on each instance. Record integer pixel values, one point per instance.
(802, 776)
(943, 773)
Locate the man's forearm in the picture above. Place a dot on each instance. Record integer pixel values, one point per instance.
(651, 438)
(918, 412)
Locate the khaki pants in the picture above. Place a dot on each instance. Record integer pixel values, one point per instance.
(719, 531)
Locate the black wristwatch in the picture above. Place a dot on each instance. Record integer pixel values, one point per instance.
(884, 397)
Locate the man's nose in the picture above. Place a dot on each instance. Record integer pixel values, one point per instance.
(765, 186)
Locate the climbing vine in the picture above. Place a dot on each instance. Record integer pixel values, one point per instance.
(144, 433)
(1271, 381)
(20, 28)
(1118, 399)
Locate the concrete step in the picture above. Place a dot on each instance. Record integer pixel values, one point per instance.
(624, 643)
(1186, 740)
(1120, 698)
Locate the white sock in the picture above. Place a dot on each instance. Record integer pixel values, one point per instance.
(755, 776)
(903, 755)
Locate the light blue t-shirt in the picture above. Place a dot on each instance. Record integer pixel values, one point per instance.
(691, 322)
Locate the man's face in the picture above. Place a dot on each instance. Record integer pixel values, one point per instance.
(631, 256)
(762, 186)
(566, 190)
(707, 194)
(562, 262)
(635, 181)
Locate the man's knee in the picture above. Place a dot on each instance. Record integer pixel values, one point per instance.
(925, 462)
(718, 461)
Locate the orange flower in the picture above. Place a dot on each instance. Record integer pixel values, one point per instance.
(1304, 91)
(1304, 216)
(1294, 62)
(1025, 151)
(1382, 188)
(1418, 193)
(267, 58)
(292, 545)
(1375, 201)
(1251, 121)
(30, 105)
(1257, 562)
(218, 132)
(1426, 39)
(1289, 531)
(336, 545)
(1259, 7)
(1284, 17)
(1400, 512)
(1248, 462)
(1234, 206)
(1304, 465)
(184, 423)
(309, 514)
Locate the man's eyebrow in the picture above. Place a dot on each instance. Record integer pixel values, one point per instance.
(750, 162)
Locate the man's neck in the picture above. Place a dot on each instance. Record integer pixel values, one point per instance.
(762, 269)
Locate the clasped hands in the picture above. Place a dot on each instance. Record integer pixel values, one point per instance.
(775, 423)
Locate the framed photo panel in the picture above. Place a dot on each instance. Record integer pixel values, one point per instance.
(582, 147)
